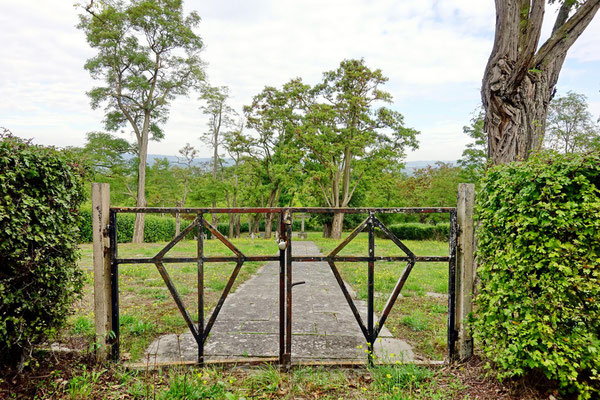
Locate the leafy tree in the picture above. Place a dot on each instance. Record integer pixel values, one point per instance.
(238, 147)
(474, 157)
(345, 134)
(520, 77)
(570, 127)
(188, 154)
(220, 117)
(274, 115)
(147, 54)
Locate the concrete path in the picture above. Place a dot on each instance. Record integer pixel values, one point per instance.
(323, 326)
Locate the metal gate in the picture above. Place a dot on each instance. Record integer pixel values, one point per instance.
(201, 330)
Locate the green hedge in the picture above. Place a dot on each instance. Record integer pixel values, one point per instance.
(416, 231)
(158, 228)
(538, 307)
(41, 190)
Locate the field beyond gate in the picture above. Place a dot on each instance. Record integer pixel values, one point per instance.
(369, 323)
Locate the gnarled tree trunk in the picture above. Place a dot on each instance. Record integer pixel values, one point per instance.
(519, 79)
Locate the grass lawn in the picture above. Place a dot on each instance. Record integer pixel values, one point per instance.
(146, 306)
(148, 311)
(420, 315)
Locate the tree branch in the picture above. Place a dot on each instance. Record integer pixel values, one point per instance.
(565, 35)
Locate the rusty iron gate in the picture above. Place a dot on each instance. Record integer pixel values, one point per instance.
(201, 330)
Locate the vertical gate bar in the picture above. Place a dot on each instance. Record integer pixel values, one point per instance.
(288, 261)
(200, 264)
(452, 286)
(114, 285)
(370, 290)
(282, 238)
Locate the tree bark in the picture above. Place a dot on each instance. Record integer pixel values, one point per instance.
(337, 225)
(519, 80)
(140, 218)
(273, 198)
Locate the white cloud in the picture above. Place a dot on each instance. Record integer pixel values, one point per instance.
(433, 51)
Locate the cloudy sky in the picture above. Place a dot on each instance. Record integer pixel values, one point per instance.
(433, 52)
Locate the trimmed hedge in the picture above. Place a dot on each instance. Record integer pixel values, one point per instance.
(158, 228)
(538, 307)
(416, 231)
(162, 229)
(41, 190)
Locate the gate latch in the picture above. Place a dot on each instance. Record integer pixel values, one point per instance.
(298, 283)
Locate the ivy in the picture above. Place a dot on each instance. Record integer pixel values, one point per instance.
(40, 192)
(538, 306)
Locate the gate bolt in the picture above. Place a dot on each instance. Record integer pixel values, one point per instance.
(282, 245)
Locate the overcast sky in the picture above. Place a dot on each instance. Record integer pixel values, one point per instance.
(434, 53)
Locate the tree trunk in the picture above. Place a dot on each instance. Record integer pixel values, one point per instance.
(326, 229)
(138, 228)
(520, 77)
(177, 224)
(337, 225)
(515, 118)
(238, 226)
(273, 198)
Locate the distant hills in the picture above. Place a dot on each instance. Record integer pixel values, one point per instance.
(410, 167)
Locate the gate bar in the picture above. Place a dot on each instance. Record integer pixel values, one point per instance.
(282, 238)
(288, 261)
(452, 286)
(114, 285)
(272, 210)
(200, 264)
(371, 291)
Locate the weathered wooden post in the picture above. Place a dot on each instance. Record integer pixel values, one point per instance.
(465, 268)
(102, 292)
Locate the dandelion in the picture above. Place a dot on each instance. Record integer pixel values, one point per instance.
(204, 381)
(389, 376)
(359, 346)
(231, 381)
(199, 375)
(392, 355)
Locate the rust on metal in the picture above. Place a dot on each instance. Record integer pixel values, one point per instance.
(201, 331)
(291, 210)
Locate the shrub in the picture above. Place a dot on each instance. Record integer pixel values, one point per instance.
(41, 190)
(416, 231)
(538, 307)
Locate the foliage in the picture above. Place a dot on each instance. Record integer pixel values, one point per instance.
(539, 265)
(475, 157)
(417, 231)
(156, 229)
(147, 55)
(41, 191)
(570, 127)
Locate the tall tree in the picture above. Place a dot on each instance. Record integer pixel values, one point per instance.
(274, 115)
(520, 77)
(475, 156)
(220, 117)
(147, 54)
(345, 133)
(238, 147)
(188, 154)
(570, 127)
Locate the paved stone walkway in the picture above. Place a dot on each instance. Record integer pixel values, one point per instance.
(323, 326)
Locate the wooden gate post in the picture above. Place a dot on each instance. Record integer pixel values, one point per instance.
(101, 247)
(465, 270)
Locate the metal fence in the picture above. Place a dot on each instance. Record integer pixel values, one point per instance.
(200, 225)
